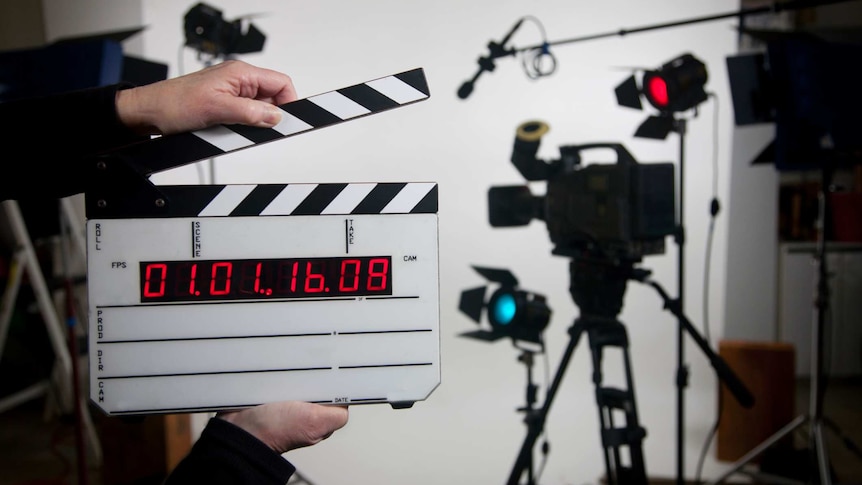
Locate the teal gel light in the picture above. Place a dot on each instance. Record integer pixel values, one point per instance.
(504, 309)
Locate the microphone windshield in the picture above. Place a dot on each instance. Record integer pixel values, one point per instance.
(465, 89)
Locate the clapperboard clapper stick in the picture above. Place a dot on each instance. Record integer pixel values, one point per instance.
(119, 178)
(214, 297)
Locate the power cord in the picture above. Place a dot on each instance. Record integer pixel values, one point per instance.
(538, 62)
(714, 209)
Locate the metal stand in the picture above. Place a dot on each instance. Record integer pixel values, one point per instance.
(62, 386)
(820, 472)
(597, 287)
(26, 261)
(679, 126)
(529, 409)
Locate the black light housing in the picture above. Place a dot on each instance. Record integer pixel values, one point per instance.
(208, 32)
(678, 85)
(511, 312)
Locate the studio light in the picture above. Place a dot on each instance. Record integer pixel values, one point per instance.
(511, 312)
(677, 86)
(209, 33)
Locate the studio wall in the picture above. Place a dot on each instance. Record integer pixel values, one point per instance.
(470, 430)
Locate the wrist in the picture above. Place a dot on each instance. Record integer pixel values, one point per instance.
(249, 425)
(132, 113)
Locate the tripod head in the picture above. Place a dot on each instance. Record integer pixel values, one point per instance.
(598, 283)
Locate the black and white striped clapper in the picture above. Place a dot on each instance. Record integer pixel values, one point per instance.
(227, 296)
(299, 116)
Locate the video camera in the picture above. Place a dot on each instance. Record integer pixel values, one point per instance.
(623, 210)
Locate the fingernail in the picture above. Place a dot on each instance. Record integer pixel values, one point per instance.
(272, 116)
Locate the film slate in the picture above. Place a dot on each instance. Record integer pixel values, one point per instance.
(217, 297)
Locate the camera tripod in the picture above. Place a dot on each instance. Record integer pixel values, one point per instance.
(597, 285)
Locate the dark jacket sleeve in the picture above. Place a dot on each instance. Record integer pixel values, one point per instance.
(49, 141)
(227, 454)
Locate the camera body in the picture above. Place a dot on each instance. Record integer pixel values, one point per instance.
(625, 209)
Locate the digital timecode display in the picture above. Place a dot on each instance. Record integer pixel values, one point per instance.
(255, 279)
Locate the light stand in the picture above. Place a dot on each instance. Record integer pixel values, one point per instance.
(529, 410)
(679, 126)
(520, 316)
(675, 87)
(658, 127)
(815, 419)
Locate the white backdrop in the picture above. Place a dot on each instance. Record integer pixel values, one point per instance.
(469, 431)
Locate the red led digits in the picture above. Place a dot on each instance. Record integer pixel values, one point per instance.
(314, 279)
(193, 274)
(253, 279)
(377, 274)
(258, 289)
(349, 279)
(154, 272)
(220, 278)
(245, 279)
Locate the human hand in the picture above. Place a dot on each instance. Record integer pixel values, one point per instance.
(287, 425)
(226, 93)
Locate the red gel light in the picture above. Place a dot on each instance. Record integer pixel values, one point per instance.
(657, 91)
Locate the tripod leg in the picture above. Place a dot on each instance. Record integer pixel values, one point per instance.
(536, 421)
(751, 455)
(610, 333)
(820, 449)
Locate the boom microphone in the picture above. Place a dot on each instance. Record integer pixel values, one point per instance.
(486, 63)
(467, 87)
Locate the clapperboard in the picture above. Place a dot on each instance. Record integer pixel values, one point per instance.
(218, 297)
